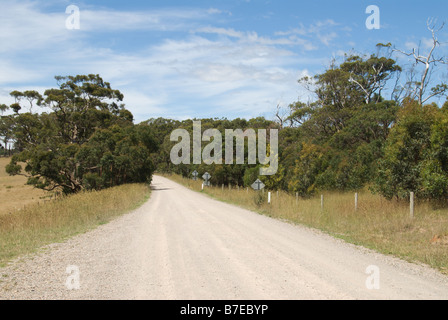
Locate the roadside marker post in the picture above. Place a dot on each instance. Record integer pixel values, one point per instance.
(206, 178)
(258, 185)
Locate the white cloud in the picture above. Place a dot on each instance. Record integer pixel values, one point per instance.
(410, 45)
(327, 38)
(236, 73)
(427, 43)
(221, 31)
(322, 30)
(12, 73)
(218, 11)
(252, 37)
(142, 103)
(23, 27)
(165, 20)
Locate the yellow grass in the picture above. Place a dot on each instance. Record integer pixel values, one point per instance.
(40, 223)
(37, 225)
(15, 194)
(379, 224)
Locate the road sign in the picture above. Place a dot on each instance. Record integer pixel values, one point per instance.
(206, 178)
(258, 185)
(195, 175)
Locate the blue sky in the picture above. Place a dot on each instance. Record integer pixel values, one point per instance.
(185, 59)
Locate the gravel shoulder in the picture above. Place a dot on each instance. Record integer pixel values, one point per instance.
(183, 245)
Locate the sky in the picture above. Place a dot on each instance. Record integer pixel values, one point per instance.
(200, 59)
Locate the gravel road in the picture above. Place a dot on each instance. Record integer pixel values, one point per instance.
(184, 245)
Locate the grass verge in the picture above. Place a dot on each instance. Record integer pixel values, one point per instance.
(15, 193)
(379, 224)
(24, 231)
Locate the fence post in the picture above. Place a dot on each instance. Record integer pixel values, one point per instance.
(356, 201)
(411, 204)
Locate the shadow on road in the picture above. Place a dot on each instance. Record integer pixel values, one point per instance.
(156, 188)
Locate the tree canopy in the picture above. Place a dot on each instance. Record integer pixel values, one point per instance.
(87, 141)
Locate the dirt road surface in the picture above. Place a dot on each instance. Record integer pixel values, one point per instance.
(184, 245)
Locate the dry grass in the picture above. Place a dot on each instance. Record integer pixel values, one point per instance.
(39, 223)
(379, 224)
(14, 193)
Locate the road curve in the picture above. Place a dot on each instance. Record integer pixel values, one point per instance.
(184, 245)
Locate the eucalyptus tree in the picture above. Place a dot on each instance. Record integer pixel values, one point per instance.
(88, 140)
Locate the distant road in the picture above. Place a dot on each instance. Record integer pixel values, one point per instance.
(184, 245)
